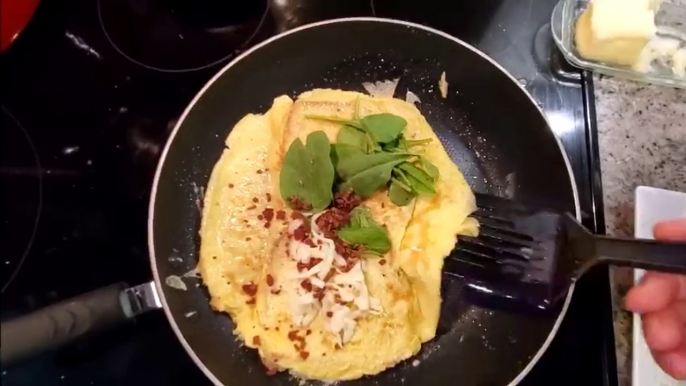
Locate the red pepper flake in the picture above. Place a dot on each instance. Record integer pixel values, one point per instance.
(319, 294)
(304, 354)
(293, 335)
(280, 215)
(337, 346)
(308, 332)
(309, 242)
(251, 207)
(256, 340)
(260, 217)
(255, 200)
(276, 292)
(250, 301)
(267, 224)
(231, 186)
(307, 285)
(382, 262)
(329, 314)
(269, 197)
(250, 289)
(270, 280)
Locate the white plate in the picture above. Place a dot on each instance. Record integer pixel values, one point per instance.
(652, 206)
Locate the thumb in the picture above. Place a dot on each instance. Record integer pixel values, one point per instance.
(670, 230)
(655, 292)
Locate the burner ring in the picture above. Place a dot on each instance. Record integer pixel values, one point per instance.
(20, 140)
(150, 34)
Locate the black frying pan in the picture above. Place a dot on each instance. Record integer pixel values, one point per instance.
(490, 126)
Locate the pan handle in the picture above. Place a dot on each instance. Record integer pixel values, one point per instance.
(72, 319)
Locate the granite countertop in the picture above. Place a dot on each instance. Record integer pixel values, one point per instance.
(642, 141)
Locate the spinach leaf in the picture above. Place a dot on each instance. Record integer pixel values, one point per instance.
(349, 167)
(420, 187)
(414, 173)
(398, 194)
(430, 168)
(384, 127)
(351, 136)
(365, 231)
(307, 172)
(369, 180)
(340, 151)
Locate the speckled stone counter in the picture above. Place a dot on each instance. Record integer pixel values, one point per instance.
(642, 140)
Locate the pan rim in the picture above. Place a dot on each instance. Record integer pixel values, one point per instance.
(158, 171)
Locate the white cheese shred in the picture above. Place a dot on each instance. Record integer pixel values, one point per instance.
(443, 86)
(346, 297)
(382, 88)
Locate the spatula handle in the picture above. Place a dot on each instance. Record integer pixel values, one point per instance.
(663, 256)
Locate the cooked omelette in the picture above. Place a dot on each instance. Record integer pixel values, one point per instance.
(292, 297)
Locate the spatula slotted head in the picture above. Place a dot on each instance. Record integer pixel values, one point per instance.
(520, 259)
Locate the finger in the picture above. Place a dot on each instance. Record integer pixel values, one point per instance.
(673, 362)
(664, 330)
(670, 229)
(655, 292)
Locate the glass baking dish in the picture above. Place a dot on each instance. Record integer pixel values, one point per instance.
(657, 69)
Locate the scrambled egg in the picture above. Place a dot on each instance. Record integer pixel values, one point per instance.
(244, 255)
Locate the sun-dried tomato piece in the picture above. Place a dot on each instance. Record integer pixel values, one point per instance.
(346, 201)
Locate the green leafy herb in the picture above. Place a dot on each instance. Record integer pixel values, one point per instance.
(365, 231)
(349, 167)
(420, 180)
(399, 193)
(385, 127)
(340, 151)
(351, 136)
(372, 153)
(430, 168)
(368, 181)
(308, 173)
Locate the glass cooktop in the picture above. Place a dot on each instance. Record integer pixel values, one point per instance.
(91, 90)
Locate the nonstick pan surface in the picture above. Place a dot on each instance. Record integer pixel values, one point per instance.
(491, 127)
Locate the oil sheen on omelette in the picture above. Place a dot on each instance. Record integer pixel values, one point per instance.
(298, 290)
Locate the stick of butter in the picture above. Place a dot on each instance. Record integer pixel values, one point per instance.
(615, 31)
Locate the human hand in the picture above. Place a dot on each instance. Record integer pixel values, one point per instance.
(660, 298)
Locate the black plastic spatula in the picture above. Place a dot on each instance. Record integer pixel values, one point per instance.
(528, 256)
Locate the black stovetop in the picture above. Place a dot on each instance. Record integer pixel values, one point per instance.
(90, 92)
